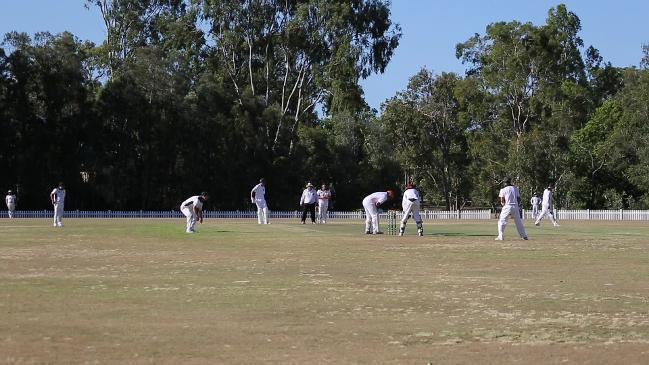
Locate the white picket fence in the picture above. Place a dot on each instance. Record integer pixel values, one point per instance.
(481, 214)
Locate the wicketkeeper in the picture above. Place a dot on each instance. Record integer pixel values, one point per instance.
(411, 204)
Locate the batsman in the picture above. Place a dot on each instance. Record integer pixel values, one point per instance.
(411, 204)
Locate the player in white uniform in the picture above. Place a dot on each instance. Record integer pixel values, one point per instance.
(57, 196)
(10, 199)
(192, 208)
(510, 197)
(371, 204)
(535, 202)
(308, 200)
(324, 194)
(547, 207)
(258, 197)
(410, 203)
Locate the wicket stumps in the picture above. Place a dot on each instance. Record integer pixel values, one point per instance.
(393, 228)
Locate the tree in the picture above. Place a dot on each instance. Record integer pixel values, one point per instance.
(428, 134)
(295, 55)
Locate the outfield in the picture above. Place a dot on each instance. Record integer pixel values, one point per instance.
(120, 291)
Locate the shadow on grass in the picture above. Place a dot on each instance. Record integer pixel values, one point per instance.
(458, 234)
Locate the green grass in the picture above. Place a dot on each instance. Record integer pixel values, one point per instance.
(135, 291)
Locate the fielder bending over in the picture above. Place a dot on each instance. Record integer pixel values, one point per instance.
(192, 208)
(371, 204)
(410, 203)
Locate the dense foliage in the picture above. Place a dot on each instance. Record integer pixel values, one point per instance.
(192, 95)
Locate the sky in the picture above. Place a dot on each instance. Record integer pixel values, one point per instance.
(431, 29)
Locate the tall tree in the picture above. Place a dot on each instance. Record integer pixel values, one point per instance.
(429, 135)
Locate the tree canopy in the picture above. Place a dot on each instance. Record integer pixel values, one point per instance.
(190, 95)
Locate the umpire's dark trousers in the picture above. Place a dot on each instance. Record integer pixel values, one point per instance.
(308, 207)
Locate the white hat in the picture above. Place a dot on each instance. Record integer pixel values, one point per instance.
(309, 185)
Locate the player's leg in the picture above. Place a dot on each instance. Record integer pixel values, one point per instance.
(312, 211)
(417, 217)
(188, 219)
(519, 224)
(374, 214)
(502, 222)
(407, 210)
(323, 208)
(552, 218)
(368, 219)
(544, 211)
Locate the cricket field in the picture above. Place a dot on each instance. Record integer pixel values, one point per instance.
(141, 291)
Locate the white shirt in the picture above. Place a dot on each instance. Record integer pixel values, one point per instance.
(309, 196)
(260, 192)
(535, 201)
(410, 194)
(193, 202)
(10, 199)
(511, 195)
(376, 198)
(547, 198)
(59, 195)
(324, 194)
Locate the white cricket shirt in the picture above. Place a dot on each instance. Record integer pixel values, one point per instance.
(510, 193)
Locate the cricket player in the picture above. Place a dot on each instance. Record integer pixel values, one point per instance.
(192, 208)
(308, 201)
(258, 197)
(10, 199)
(371, 204)
(535, 202)
(547, 206)
(57, 196)
(510, 197)
(410, 203)
(324, 194)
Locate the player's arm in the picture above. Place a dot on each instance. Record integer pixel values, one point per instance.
(199, 213)
(53, 197)
(253, 193)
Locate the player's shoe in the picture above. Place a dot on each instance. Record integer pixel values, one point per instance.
(378, 232)
(524, 238)
(368, 232)
(537, 224)
(498, 239)
(420, 233)
(557, 225)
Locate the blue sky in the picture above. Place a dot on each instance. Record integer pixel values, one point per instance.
(431, 29)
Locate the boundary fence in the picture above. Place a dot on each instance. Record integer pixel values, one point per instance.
(481, 214)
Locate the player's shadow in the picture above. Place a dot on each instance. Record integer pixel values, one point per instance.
(458, 234)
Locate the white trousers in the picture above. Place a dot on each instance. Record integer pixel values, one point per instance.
(323, 207)
(411, 207)
(58, 214)
(502, 222)
(262, 211)
(535, 211)
(371, 217)
(546, 211)
(191, 216)
(10, 210)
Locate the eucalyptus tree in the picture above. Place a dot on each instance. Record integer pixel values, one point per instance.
(429, 135)
(293, 55)
(540, 88)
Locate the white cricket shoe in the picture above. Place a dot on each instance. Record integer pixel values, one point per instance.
(498, 239)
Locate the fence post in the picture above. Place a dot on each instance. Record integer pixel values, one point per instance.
(621, 215)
